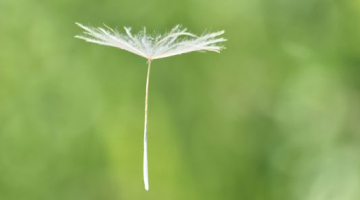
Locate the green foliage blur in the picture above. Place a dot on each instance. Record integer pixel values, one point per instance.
(275, 116)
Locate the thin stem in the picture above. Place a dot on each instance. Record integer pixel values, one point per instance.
(145, 161)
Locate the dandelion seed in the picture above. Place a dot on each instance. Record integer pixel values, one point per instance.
(177, 41)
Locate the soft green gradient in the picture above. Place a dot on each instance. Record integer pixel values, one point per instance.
(275, 116)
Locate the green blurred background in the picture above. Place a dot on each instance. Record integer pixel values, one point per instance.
(275, 116)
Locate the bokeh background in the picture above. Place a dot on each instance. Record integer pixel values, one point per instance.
(275, 116)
